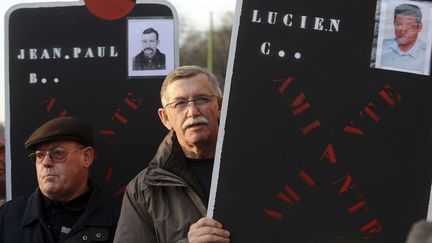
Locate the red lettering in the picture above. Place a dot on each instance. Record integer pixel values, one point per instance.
(372, 227)
(63, 113)
(347, 183)
(292, 193)
(352, 128)
(50, 104)
(298, 104)
(357, 206)
(121, 118)
(284, 198)
(307, 129)
(130, 103)
(305, 176)
(284, 84)
(108, 134)
(273, 214)
(329, 154)
(389, 95)
(368, 110)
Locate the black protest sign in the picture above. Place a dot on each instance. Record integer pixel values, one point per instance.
(64, 61)
(320, 142)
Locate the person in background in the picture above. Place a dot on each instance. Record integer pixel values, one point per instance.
(66, 206)
(166, 202)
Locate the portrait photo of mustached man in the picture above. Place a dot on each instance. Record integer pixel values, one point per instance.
(150, 58)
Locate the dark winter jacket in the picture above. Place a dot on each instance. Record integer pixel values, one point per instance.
(162, 201)
(22, 221)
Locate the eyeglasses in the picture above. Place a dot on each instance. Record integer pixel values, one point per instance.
(183, 104)
(56, 155)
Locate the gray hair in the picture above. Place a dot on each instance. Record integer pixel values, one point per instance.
(409, 10)
(186, 72)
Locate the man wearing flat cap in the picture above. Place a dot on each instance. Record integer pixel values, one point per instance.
(66, 206)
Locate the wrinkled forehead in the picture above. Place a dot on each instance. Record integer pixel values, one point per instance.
(190, 86)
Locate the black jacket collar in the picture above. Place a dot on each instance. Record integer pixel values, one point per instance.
(34, 211)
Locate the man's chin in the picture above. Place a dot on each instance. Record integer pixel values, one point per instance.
(149, 54)
(197, 138)
(403, 41)
(50, 191)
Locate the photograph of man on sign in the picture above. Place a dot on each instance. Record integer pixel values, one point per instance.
(150, 58)
(403, 43)
(150, 46)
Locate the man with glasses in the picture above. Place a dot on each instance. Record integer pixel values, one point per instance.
(166, 202)
(406, 50)
(66, 206)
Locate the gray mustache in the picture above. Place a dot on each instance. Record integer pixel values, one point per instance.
(194, 120)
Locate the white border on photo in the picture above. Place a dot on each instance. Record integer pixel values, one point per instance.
(386, 30)
(165, 29)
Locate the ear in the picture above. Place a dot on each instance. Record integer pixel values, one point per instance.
(88, 157)
(420, 27)
(219, 107)
(163, 116)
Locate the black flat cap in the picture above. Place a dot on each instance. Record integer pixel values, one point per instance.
(63, 128)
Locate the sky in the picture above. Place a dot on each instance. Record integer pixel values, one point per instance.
(192, 11)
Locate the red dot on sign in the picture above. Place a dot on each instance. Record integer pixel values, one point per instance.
(109, 9)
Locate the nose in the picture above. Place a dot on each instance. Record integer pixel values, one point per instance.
(46, 161)
(192, 109)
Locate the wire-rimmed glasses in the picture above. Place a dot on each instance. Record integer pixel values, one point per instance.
(182, 104)
(57, 155)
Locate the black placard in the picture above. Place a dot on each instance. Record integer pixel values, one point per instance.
(316, 143)
(62, 60)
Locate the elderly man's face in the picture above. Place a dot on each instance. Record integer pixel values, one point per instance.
(195, 123)
(2, 161)
(150, 44)
(406, 31)
(63, 175)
